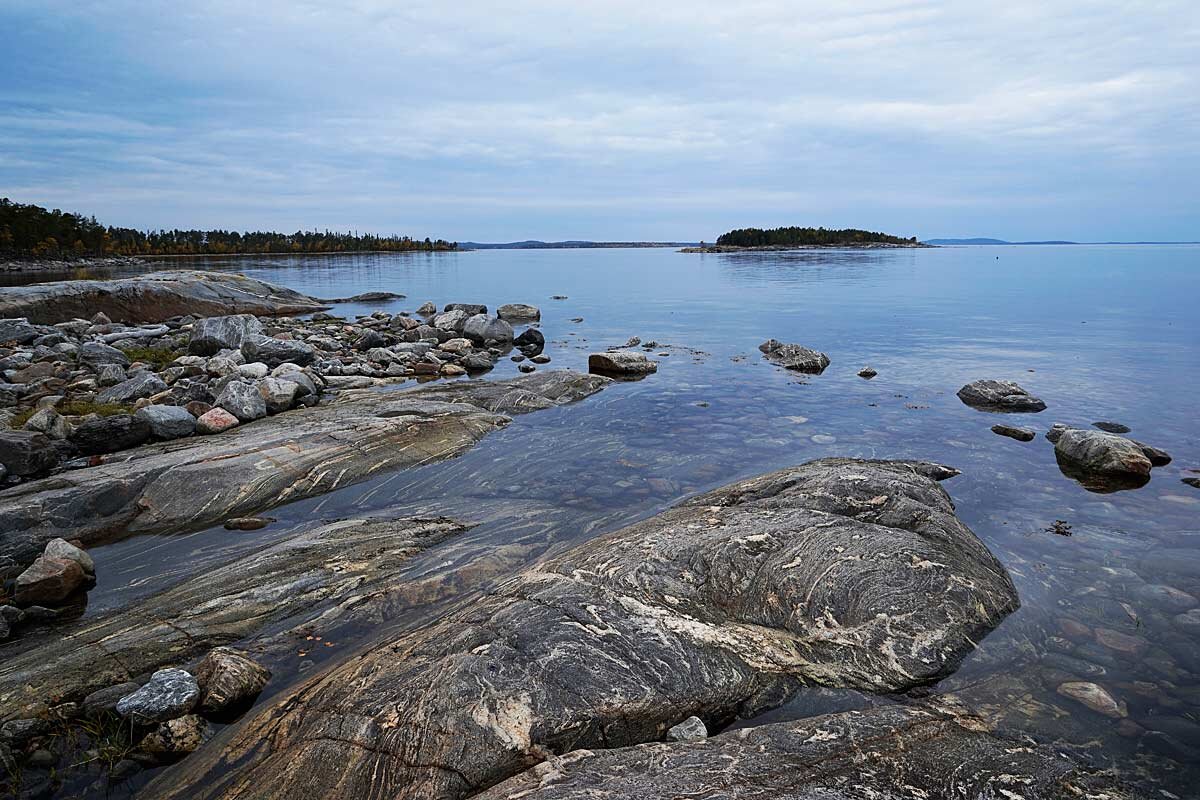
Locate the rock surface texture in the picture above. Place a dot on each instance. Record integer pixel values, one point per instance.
(834, 573)
(794, 356)
(992, 395)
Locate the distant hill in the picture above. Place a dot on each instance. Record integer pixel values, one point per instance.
(990, 241)
(577, 244)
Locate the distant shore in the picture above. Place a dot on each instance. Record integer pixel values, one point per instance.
(725, 248)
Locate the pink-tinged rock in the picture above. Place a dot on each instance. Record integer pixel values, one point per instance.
(48, 581)
(218, 420)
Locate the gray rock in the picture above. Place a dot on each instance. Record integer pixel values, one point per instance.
(477, 362)
(110, 374)
(106, 699)
(995, 395)
(17, 330)
(25, 453)
(452, 320)
(49, 422)
(482, 328)
(794, 356)
(622, 363)
(243, 400)
(1157, 456)
(867, 372)
(690, 730)
(369, 339)
(1013, 432)
(427, 309)
(169, 694)
(63, 550)
(470, 309)
(109, 434)
(1111, 427)
(177, 737)
(228, 679)
(48, 581)
(367, 297)
(279, 394)
(1105, 454)
(167, 422)
(531, 342)
(210, 335)
(95, 355)
(1056, 431)
(139, 386)
(518, 312)
(274, 352)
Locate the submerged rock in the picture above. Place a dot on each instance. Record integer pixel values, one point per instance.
(624, 363)
(1094, 696)
(794, 357)
(1013, 432)
(994, 395)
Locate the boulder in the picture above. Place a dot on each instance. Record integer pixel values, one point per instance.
(1013, 432)
(110, 374)
(274, 352)
(279, 394)
(519, 312)
(482, 328)
(167, 422)
(1105, 454)
(49, 422)
(210, 335)
(25, 453)
(243, 400)
(625, 363)
(452, 320)
(216, 420)
(228, 679)
(867, 373)
(794, 357)
(470, 309)
(366, 297)
(17, 331)
(169, 694)
(995, 395)
(177, 737)
(48, 581)
(94, 355)
(427, 309)
(63, 550)
(109, 434)
(531, 342)
(690, 730)
(137, 387)
(477, 362)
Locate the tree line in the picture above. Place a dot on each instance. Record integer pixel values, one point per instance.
(757, 237)
(30, 231)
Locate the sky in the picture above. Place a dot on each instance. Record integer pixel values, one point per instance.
(615, 119)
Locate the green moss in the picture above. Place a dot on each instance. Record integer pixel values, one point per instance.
(19, 420)
(81, 408)
(159, 357)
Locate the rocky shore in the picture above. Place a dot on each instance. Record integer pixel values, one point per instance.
(52, 265)
(777, 248)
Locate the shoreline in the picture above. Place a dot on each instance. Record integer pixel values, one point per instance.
(774, 248)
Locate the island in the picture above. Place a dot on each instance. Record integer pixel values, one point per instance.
(794, 238)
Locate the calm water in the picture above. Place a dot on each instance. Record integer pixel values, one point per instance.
(1100, 333)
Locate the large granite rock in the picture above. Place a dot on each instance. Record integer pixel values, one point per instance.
(834, 573)
(1104, 462)
(993, 395)
(48, 581)
(153, 297)
(135, 388)
(229, 678)
(794, 357)
(25, 453)
(519, 312)
(213, 334)
(273, 352)
(483, 328)
(17, 331)
(198, 481)
(243, 400)
(887, 753)
(98, 354)
(101, 435)
(167, 422)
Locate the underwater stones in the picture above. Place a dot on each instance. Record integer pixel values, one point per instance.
(169, 693)
(794, 357)
(998, 395)
(1013, 432)
(624, 363)
(1095, 697)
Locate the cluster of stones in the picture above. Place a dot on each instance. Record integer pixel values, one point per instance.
(79, 391)
(167, 716)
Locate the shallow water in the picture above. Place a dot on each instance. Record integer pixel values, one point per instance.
(1098, 332)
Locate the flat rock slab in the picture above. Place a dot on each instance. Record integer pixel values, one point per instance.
(191, 483)
(838, 572)
(623, 363)
(154, 297)
(886, 753)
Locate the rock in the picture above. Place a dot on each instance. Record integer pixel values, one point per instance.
(531, 342)
(105, 700)
(63, 550)
(427, 309)
(169, 694)
(794, 357)
(110, 374)
(154, 297)
(690, 730)
(210, 335)
(527, 367)
(1056, 431)
(167, 422)
(95, 355)
(177, 736)
(1111, 427)
(253, 371)
(16, 330)
(368, 340)
(839, 572)
(451, 370)
(48, 581)
(540, 358)
(216, 420)
(246, 523)
(243, 400)
(274, 352)
(5, 628)
(110, 434)
(229, 678)
(25, 453)
(867, 372)
(477, 362)
(622, 363)
(49, 422)
(367, 297)
(1158, 457)
(1165, 597)
(278, 394)
(470, 309)
(1188, 621)
(1094, 696)
(452, 320)
(1121, 642)
(482, 328)
(127, 391)
(1013, 432)
(1101, 461)
(995, 395)
(518, 312)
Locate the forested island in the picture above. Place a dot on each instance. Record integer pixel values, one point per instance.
(797, 237)
(30, 232)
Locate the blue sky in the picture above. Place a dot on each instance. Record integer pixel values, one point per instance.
(608, 120)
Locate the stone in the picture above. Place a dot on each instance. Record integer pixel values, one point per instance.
(25, 453)
(210, 335)
(1083, 454)
(274, 352)
(477, 362)
(63, 550)
(216, 420)
(243, 400)
(279, 394)
(246, 523)
(48, 581)
(125, 392)
(518, 312)
(95, 355)
(368, 340)
(169, 694)
(253, 371)
(1188, 621)
(1166, 597)
(105, 700)
(167, 422)
(228, 679)
(997, 395)
(690, 730)
(867, 372)
(453, 370)
(527, 367)
(621, 362)
(49, 422)
(470, 309)
(1121, 642)
(483, 328)
(1056, 431)
(110, 374)
(1111, 427)
(453, 320)
(1157, 456)
(456, 346)
(531, 342)
(794, 357)
(17, 330)
(1014, 432)
(1094, 696)
(540, 358)
(367, 297)
(109, 434)
(427, 309)
(177, 736)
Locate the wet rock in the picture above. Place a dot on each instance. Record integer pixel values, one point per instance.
(177, 737)
(274, 352)
(210, 335)
(170, 693)
(1121, 642)
(470, 309)
(527, 367)
(63, 550)
(482, 328)
(794, 357)
(243, 400)
(1056, 431)
(1087, 452)
(531, 342)
(1166, 597)
(623, 363)
(367, 297)
(216, 420)
(48, 581)
(96, 354)
(17, 330)
(109, 434)
(167, 422)
(1158, 457)
(518, 312)
(690, 730)
(540, 358)
(1111, 427)
(246, 523)
(25, 453)
(1013, 432)
(427, 309)
(1095, 697)
(996, 395)
(229, 678)
(134, 388)
(105, 700)
(867, 372)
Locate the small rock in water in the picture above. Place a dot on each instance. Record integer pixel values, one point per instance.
(867, 372)
(169, 693)
(427, 309)
(621, 362)
(1111, 427)
(1013, 432)
(1193, 482)
(541, 358)
(633, 341)
(794, 356)
(995, 395)
(690, 730)
(229, 678)
(1095, 697)
(1060, 527)
(247, 523)
(526, 367)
